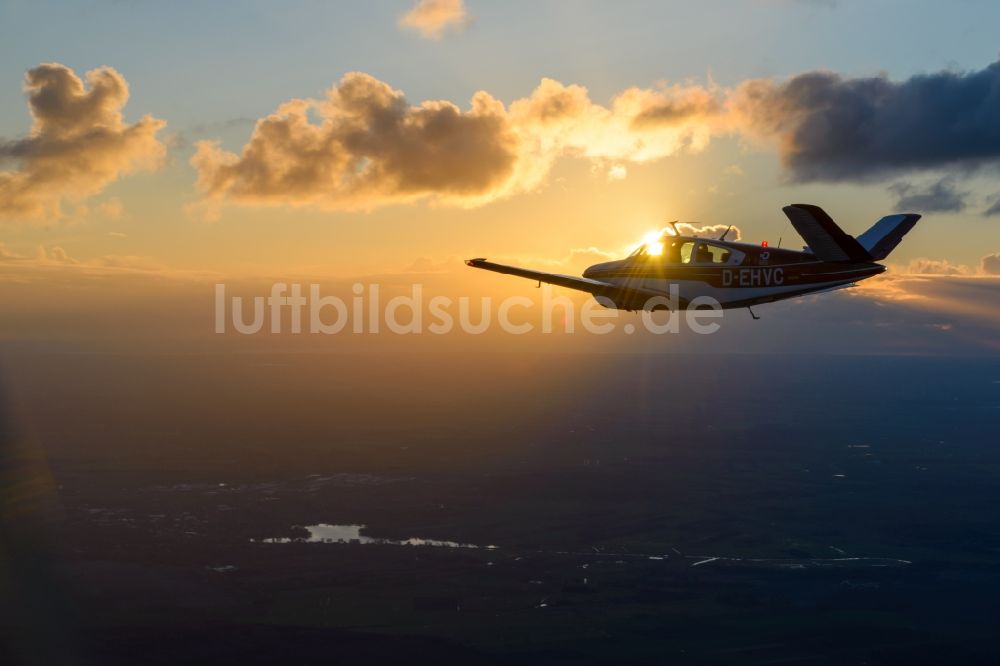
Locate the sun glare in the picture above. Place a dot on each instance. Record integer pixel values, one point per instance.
(653, 243)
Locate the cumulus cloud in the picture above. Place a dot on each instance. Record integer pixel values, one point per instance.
(79, 142)
(673, 106)
(923, 266)
(937, 197)
(990, 264)
(710, 230)
(431, 18)
(830, 127)
(365, 145)
(371, 147)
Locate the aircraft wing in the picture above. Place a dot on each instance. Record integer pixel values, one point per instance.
(617, 293)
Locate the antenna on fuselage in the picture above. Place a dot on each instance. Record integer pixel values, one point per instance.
(673, 224)
(723, 236)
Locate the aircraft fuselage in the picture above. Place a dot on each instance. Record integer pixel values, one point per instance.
(676, 272)
(751, 276)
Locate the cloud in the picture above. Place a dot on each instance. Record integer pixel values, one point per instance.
(710, 230)
(673, 105)
(829, 127)
(617, 172)
(370, 147)
(52, 261)
(941, 196)
(964, 302)
(923, 266)
(990, 264)
(364, 145)
(6, 254)
(733, 170)
(78, 144)
(55, 255)
(994, 208)
(431, 18)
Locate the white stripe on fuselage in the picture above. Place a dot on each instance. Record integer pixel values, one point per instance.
(691, 289)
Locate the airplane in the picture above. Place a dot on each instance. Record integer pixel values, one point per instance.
(736, 275)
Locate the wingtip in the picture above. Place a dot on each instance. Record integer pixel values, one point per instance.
(474, 262)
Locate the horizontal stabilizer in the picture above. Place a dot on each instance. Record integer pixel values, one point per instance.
(885, 234)
(826, 240)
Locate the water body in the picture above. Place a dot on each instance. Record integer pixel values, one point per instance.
(327, 533)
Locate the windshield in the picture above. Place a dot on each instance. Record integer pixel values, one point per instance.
(689, 251)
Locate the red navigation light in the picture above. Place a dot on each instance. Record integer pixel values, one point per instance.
(763, 243)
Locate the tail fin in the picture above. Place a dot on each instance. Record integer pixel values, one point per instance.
(885, 234)
(823, 236)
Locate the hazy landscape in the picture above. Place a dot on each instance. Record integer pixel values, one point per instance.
(779, 509)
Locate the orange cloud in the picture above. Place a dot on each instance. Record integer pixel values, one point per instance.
(431, 18)
(55, 263)
(370, 147)
(922, 266)
(990, 264)
(78, 144)
(710, 230)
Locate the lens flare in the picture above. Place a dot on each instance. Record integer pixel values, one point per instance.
(653, 242)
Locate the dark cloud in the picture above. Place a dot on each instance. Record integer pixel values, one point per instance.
(938, 197)
(834, 128)
(994, 208)
(79, 142)
(990, 264)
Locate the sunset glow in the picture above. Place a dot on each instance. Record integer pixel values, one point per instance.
(445, 331)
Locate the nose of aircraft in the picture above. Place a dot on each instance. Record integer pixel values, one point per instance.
(596, 270)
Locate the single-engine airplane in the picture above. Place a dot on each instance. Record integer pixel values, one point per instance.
(735, 274)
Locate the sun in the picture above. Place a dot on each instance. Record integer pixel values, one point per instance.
(653, 242)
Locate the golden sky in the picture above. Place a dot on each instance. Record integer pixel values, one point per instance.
(153, 160)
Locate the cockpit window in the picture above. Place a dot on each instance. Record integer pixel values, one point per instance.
(686, 251)
(712, 254)
(700, 252)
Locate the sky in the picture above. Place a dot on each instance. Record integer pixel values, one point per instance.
(187, 143)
